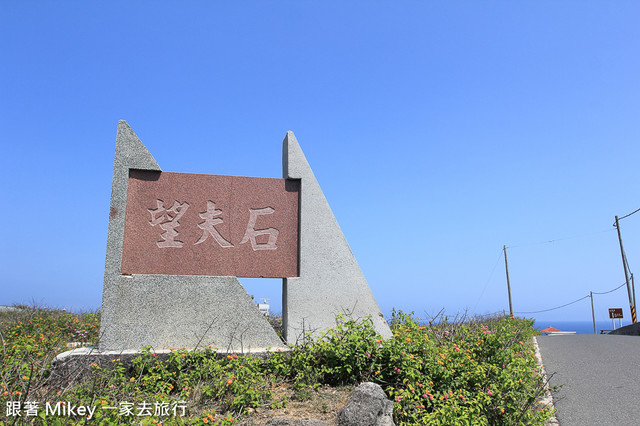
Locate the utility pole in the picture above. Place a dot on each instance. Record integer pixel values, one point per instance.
(633, 290)
(625, 266)
(506, 266)
(593, 313)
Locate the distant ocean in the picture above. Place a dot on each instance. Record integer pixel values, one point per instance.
(580, 327)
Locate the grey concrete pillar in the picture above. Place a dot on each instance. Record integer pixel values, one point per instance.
(330, 280)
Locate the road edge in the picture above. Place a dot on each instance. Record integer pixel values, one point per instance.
(547, 399)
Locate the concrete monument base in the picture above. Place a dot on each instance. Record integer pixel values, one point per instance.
(186, 311)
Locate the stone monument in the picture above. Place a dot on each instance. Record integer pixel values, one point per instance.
(330, 281)
(177, 242)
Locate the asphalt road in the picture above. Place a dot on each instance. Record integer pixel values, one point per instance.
(600, 375)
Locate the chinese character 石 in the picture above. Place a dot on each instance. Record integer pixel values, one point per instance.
(144, 409)
(126, 408)
(161, 408)
(30, 408)
(180, 404)
(252, 233)
(168, 222)
(13, 409)
(208, 226)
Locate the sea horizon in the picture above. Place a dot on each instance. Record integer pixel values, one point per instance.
(580, 327)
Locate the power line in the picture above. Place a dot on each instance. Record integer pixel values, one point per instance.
(571, 303)
(488, 279)
(633, 212)
(558, 307)
(611, 291)
(562, 239)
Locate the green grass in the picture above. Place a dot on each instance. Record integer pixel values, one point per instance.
(473, 372)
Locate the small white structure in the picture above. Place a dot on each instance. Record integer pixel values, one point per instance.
(264, 307)
(550, 331)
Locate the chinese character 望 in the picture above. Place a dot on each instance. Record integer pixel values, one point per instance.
(168, 222)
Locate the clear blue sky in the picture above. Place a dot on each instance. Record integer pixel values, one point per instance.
(439, 132)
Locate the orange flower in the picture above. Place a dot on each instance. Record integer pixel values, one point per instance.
(205, 420)
(229, 382)
(132, 379)
(502, 410)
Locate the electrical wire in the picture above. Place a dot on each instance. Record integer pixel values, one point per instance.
(488, 279)
(633, 212)
(561, 239)
(557, 307)
(610, 291)
(575, 301)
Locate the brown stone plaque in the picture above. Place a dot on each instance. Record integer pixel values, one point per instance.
(192, 224)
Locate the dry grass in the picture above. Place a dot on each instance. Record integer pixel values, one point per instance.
(322, 404)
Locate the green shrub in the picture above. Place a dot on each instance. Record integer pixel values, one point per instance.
(471, 371)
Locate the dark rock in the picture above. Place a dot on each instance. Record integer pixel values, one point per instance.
(368, 406)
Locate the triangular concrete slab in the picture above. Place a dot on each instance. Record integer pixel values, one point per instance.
(330, 281)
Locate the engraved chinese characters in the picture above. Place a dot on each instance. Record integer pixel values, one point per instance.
(209, 225)
(252, 233)
(188, 224)
(168, 223)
